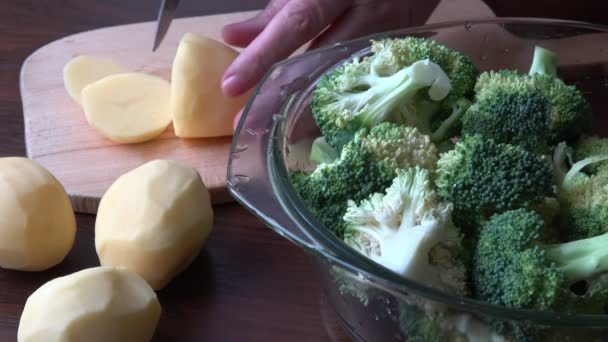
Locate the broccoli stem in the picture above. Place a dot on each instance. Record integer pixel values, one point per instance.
(322, 153)
(580, 259)
(394, 90)
(544, 62)
(443, 131)
(568, 180)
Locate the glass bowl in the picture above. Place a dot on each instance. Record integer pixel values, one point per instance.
(374, 304)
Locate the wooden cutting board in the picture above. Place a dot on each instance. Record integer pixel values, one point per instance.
(58, 136)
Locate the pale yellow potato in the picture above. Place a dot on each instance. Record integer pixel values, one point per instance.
(99, 304)
(198, 105)
(128, 107)
(154, 220)
(37, 223)
(84, 70)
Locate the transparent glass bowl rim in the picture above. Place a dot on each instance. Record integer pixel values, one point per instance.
(336, 252)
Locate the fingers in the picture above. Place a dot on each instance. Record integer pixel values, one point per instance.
(241, 34)
(295, 24)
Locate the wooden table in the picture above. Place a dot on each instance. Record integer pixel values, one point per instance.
(248, 285)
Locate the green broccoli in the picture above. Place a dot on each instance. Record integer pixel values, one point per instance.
(322, 153)
(583, 198)
(513, 267)
(511, 117)
(409, 231)
(482, 177)
(570, 114)
(544, 62)
(589, 146)
(366, 165)
(402, 82)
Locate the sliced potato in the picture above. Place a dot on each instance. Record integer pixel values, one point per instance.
(198, 105)
(154, 221)
(37, 224)
(128, 107)
(84, 70)
(98, 304)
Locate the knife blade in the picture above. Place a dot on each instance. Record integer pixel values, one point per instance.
(165, 16)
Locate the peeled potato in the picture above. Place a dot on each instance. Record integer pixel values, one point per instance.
(37, 224)
(129, 107)
(84, 70)
(154, 220)
(96, 304)
(199, 108)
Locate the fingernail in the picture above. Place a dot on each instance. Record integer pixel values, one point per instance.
(228, 85)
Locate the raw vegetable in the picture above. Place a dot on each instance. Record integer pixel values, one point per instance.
(129, 107)
(198, 105)
(84, 70)
(154, 220)
(96, 304)
(37, 224)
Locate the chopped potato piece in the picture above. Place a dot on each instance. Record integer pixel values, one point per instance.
(37, 224)
(129, 107)
(98, 304)
(154, 220)
(84, 70)
(198, 105)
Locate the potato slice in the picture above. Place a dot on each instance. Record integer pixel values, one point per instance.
(198, 105)
(154, 221)
(129, 107)
(84, 70)
(96, 304)
(37, 224)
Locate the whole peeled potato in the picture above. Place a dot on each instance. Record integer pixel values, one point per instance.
(154, 221)
(96, 304)
(37, 223)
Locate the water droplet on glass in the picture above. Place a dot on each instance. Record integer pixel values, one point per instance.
(468, 26)
(237, 179)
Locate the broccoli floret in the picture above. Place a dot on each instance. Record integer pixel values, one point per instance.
(513, 117)
(409, 231)
(366, 165)
(512, 266)
(321, 152)
(401, 82)
(570, 114)
(482, 177)
(583, 198)
(589, 146)
(419, 325)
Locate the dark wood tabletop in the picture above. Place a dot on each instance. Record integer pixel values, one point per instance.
(249, 284)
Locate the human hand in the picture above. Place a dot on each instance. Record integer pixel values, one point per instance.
(285, 25)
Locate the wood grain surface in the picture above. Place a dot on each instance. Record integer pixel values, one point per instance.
(58, 136)
(248, 285)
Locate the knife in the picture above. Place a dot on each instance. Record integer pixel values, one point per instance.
(165, 16)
